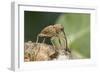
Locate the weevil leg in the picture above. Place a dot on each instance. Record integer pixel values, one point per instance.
(43, 40)
(52, 42)
(59, 41)
(37, 39)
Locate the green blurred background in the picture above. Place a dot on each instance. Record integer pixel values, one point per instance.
(76, 26)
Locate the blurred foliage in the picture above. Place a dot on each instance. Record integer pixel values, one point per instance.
(76, 26)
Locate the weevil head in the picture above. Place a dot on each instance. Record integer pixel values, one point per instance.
(58, 27)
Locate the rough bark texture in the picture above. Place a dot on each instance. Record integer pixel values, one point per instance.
(42, 52)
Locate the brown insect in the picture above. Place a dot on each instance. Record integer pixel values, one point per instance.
(51, 31)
